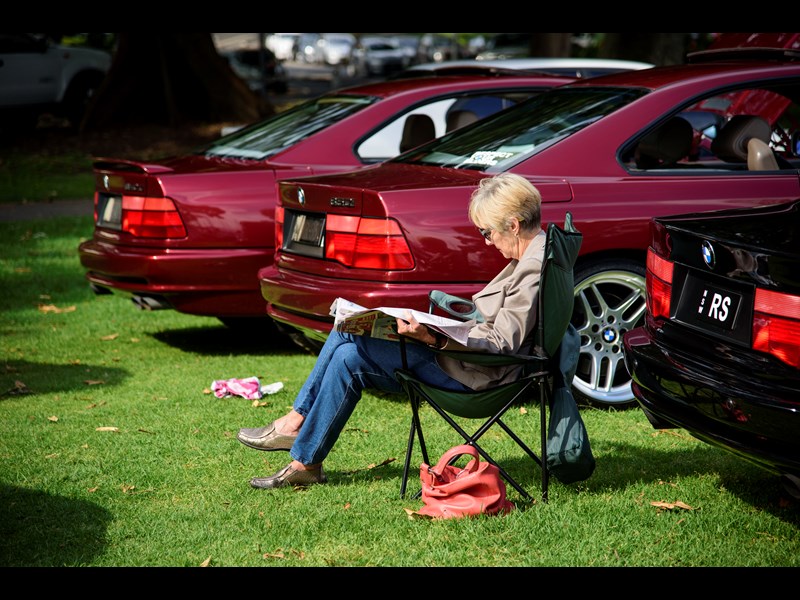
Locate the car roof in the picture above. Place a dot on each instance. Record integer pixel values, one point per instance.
(538, 63)
(391, 87)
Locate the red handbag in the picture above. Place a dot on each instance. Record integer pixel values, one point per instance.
(449, 491)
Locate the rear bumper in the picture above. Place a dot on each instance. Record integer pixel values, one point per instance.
(211, 282)
(303, 302)
(747, 412)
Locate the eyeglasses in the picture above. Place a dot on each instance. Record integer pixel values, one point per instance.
(486, 233)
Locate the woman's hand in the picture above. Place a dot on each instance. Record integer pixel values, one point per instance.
(410, 327)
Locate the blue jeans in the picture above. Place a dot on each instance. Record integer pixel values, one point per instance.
(348, 364)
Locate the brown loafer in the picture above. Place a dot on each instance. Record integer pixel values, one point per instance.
(266, 438)
(290, 476)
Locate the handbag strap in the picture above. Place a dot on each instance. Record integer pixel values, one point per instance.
(453, 453)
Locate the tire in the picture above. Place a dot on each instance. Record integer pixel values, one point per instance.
(609, 301)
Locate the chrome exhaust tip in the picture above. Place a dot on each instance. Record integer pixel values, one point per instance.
(151, 302)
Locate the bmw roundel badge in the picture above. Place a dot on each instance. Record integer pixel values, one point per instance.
(708, 254)
(301, 196)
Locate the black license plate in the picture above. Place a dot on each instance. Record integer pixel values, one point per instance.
(712, 307)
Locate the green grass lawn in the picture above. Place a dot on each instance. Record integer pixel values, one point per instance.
(113, 452)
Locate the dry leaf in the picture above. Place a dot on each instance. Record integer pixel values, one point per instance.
(53, 418)
(207, 391)
(347, 506)
(126, 488)
(206, 562)
(671, 505)
(93, 490)
(115, 429)
(414, 515)
(75, 361)
(278, 554)
(523, 410)
(93, 381)
(258, 403)
(54, 455)
(108, 338)
(52, 308)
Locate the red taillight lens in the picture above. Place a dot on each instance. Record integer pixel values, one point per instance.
(776, 325)
(279, 210)
(145, 216)
(366, 243)
(659, 284)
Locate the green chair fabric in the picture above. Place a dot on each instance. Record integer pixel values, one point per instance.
(555, 305)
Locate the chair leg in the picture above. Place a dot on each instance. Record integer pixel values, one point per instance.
(416, 429)
(544, 403)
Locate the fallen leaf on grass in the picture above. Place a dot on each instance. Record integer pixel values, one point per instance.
(92, 490)
(75, 361)
(671, 505)
(18, 389)
(93, 381)
(127, 488)
(114, 429)
(52, 419)
(206, 562)
(347, 506)
(523, 410)
(108, 338)
(52, 308)
(207, 391)
(54, 455)
(278, 554)
(258, 403)
(414, 515)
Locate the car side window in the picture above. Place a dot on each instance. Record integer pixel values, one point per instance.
(407, 131)
(741, 131)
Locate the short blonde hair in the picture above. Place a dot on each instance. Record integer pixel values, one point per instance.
(502, 197)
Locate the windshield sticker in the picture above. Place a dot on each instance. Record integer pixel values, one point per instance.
(488, 158)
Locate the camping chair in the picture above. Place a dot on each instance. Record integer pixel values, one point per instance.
(555, 303)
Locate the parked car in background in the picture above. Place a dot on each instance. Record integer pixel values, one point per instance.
(580, 68)
(282, 45)
(38, 76)
(325, 48)
(434, 47)
(261, 71)
(506, 45)
(719, 352)
(615, 151)
(380, 56)
(190, 232)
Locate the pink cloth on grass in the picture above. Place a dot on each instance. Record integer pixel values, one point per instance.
(248, 387)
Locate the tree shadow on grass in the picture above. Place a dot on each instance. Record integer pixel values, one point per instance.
(222, 340)
(22, 378)
(41, 530)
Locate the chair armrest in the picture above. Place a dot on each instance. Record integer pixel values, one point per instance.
(455, 306)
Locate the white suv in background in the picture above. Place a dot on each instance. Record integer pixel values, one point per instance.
(37, 76)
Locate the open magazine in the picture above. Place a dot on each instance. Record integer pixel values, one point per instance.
(350, 317)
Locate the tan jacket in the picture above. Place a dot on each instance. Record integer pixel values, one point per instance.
(508, 304)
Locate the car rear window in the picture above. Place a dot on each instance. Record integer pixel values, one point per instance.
(267, 138)
(501, 141)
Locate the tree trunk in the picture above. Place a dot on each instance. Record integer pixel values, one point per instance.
(550, 44)
(172, 79)
(656, 48)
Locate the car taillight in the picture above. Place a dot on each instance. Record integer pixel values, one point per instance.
(658, 280)
(279, 226)
(366, 243)
(146, 216)
(776, 325)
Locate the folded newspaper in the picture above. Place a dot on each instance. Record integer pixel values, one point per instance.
(350, 317)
